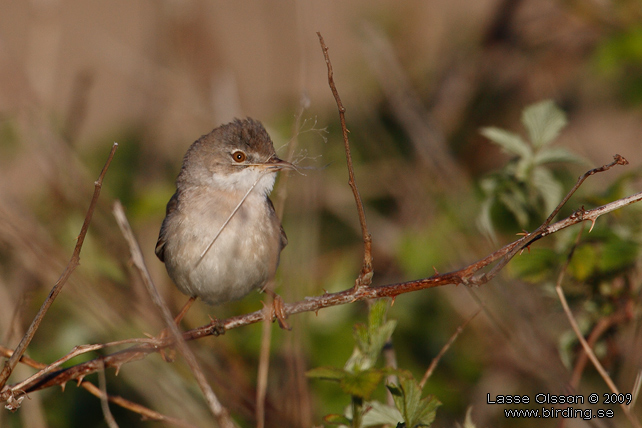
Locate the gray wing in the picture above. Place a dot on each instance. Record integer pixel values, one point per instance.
(284, 237)
(162, 239)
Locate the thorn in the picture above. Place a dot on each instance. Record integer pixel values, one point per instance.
(62, 385)
(436, 271)
(80, 379)
(325, 291)
(392, 302)
(528, 247)
(592, 224)
(117, 367)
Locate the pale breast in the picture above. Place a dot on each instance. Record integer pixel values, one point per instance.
(243, 256)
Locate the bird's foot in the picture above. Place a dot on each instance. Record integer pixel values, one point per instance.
(278, 310)
(169, 354)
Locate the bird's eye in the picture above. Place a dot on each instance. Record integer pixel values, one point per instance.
(239, 156)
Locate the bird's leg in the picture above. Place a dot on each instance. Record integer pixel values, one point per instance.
(278, 310)
(184, 310)
(169, 354)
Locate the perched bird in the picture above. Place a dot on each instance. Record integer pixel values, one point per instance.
(221, 237)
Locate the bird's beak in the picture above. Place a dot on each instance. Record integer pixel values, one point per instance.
(276, 164)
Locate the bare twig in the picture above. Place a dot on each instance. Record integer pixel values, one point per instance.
(444, 349)
(120, 401)
(601, 327)
(78, 350)
(10, 364)
(636, 388)
(220, 413)
(264, 363)
(135, 407)
(104, 403)
(578, 333)
(365, 277)
(6, 352)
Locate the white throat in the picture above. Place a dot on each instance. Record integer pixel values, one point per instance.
(242, 180)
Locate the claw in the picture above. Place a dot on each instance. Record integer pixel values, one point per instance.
(278, 310)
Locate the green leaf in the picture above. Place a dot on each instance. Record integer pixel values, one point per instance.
(485, 222)
(548, 187)
(557, 154)
(380, 414)
(514, 202)
(416, 411)
(370, 340)
(543, 122)
(429, 405)
(361, 336)
(327, 373)
(358, 361)
(361, 384)
(509, 141)
(379, 337)
(377, 314)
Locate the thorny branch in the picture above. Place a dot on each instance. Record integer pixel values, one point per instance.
(467, 275)
(10, 364)
(93, 389)
(365, 277)
(543, 230)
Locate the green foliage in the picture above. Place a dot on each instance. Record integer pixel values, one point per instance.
(619, 59)
(371, 338)
(416, 411)
(359, 378)
(525, 189)
(535, 265)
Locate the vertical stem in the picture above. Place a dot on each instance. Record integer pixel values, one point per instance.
(365, 277)
(357, 406)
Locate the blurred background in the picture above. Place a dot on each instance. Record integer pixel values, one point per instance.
(418, 79)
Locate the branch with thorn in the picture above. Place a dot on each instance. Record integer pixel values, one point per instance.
(468, 275)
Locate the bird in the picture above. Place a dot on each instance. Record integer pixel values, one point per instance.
(221, 237)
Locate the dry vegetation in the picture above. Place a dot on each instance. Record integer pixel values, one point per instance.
(418, 81)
